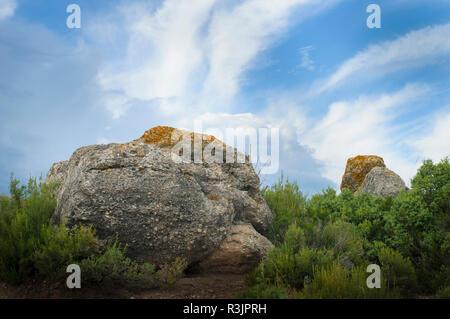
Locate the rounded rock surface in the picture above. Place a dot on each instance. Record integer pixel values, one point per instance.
(381, 181)
(159, 208)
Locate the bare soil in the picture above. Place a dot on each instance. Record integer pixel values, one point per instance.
(211, 286)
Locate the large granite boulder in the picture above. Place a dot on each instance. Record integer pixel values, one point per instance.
(159, 207)
(356, 170)
(381, 181)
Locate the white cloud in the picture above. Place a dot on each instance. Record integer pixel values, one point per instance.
(7, 8)
(194, 53)
(117, 104)
(237, 35)
(435, 144)
(416, 48)
(162, 51)
(362, 127)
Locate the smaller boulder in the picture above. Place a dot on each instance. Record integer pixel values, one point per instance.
(356, 170)
(381, 181)
(242, 250)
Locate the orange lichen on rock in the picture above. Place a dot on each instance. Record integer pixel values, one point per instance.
(356, 170)
(166, 136)
(159, 135)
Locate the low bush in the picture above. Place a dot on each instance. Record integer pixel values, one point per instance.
(329, 239)
(287, 204)
(337, 282)
(399, 272)
(24, 218)
(113, 268)
(62, 246)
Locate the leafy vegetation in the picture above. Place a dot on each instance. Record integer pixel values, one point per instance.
(324, 244)
(113, 268)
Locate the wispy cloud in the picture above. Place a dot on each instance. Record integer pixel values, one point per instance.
(195, 53)
(414, 49)
(163, 49)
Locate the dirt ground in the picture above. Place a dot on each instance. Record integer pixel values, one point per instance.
(220, 286)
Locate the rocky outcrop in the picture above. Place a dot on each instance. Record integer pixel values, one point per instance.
(160, 207)
(368, 174)
(356, 170)
(240, 252)
(381, 181)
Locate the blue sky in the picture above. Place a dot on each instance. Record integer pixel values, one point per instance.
(312, 68)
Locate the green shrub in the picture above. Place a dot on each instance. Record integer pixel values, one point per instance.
(409, 224)
(23, 218)
(113, 268)
(345, 242)
(287, 204)
(287, 268)
(432, 181)
(397, 271)
(337, 282)
(418, 223)
(62, 246)
(432, 184)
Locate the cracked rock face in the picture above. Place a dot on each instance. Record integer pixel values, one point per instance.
(159, 208)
